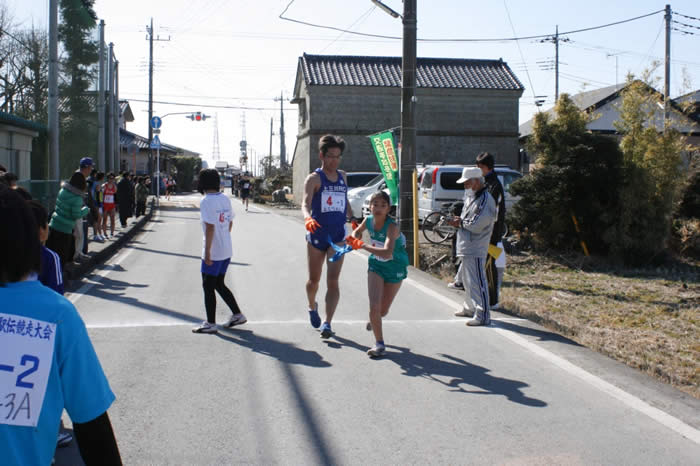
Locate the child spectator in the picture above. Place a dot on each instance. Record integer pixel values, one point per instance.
(141, 194)
(50, 273)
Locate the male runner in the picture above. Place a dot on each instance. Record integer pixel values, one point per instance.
(325, 211)
(245, 190)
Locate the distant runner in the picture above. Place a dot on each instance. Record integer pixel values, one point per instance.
(245, 191)
(325, 211)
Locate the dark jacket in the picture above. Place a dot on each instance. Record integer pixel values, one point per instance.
(495, 188)
(125, 197)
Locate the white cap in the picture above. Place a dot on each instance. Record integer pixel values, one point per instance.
(469, 173)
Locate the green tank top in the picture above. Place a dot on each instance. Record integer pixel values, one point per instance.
(378, 238)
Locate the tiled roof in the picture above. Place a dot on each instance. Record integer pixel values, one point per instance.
(455, 73)
(127, 137)
(14, 120)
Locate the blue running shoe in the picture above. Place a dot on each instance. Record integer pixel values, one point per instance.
(326, 331)
(314, 317)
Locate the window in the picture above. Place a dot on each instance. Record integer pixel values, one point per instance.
(448, 180)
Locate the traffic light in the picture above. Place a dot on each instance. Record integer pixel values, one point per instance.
(199, 116)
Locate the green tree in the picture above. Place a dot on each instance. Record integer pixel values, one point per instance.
(187, 168)
(576, 176)
(652, 162)
(78, 131)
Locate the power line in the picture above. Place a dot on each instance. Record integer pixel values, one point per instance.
(233, 107)
(688, 33)
(505, 39)
(522, 57)
(686, 25)
(686, 16)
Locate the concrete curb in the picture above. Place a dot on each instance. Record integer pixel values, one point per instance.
(74, 271)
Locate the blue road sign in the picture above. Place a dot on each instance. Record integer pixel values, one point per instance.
(155, 142)
(156, 122)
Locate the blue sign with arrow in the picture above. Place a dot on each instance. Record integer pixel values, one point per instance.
(156, 122)
(155, 142)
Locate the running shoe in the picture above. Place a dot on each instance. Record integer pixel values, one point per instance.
(326, 331)
(236, 319)
(97, 238)
(205, 327)
(455, 286)
(463, 313)
(314, 317)
(64, 439)
(376, 351)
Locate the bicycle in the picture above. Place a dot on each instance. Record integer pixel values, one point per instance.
(436, 228)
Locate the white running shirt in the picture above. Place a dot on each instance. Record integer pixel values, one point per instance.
(216, 210)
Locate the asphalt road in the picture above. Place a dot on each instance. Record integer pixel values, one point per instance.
(273, 392)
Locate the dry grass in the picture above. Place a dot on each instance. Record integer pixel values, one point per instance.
(648, 319)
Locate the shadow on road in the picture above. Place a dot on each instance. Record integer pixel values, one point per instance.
(453, 373)
(541, 335)
(290, 355)
(168, 253)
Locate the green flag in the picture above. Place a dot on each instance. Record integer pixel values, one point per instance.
(383, 145)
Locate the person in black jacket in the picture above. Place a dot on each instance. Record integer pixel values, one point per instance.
(485, 162)
(125, 198)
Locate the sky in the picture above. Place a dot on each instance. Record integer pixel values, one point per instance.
(239, 55)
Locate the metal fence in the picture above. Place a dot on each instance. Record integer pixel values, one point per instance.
(44, 191)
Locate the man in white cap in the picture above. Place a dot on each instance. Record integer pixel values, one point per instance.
(475, 225)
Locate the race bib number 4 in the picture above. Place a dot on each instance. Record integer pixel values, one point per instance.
(26, 354)
(332, 201)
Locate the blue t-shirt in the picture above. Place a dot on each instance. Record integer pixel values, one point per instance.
(31, 315)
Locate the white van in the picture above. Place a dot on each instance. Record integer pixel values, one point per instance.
(437, 186)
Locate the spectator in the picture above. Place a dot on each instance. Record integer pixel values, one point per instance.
(55, 341)
(125, 198)
(495, 268)
(85, 168)
(100, 234)
(50, 273)
(475, 226)
(69, 209)
(141, 195)
(10, 179)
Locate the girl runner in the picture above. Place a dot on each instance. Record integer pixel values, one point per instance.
(387, 264)
(109, 190)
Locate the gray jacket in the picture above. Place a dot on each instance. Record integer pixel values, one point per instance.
(478, 216)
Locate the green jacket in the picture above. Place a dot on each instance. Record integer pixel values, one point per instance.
(69, 208)
(141, 192)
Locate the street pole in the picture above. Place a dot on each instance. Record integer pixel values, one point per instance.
(283, 155)
(667, 63)
(118, 146)
(101, 100)
(54, 168)
(408, 126)
(556, 65)
(269, 161)
(150, 92)
(157, 176)
(110, 115)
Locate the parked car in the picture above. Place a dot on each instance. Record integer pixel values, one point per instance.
(365, 202)
(437, 186)
(356, 196)
(356, 179)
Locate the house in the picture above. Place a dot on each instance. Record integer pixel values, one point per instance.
(135, 154)
(464, 106)
(16, 138)
(604, 107)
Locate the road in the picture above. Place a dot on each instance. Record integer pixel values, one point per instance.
(273, 392)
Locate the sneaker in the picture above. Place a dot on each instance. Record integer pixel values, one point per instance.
(463, 313)
(376, 351)
(369, 326)
(326, 331)
(314, 317)
(102, 237)
(480, 318)
(496, 306)
(205, 327)
(64, 439)
(97, 238)
(455, 286)
(236, 319)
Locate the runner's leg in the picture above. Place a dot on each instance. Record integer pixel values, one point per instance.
(315, 259)
(209, 285)
(332, 283)
(375, 289)
(226, 294)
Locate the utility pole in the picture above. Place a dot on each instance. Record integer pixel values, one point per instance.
(269, 160)
(283, 158)
(667, 73)
(150, 82)
(117, 124)
(408, 124)
(54, 168)
(555, 39)
(101, 100)
(110, 114)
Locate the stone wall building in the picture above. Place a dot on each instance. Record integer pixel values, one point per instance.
(464, 106)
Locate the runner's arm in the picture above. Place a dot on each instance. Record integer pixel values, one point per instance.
(387, 251)
(96, 441)
(357, 232)
(311, 185)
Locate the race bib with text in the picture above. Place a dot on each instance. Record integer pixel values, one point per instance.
(332, 201)
(26, 354)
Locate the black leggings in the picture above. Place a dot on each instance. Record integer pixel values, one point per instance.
(212, 283)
